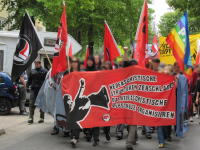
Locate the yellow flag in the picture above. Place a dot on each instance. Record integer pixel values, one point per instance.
(166, 53)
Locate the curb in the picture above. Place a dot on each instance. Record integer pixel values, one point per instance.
(2, 131)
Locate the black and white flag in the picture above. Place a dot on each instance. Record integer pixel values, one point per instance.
(27, 47)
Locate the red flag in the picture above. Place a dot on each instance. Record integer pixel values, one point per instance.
(87, 54)
(154, 49)
(70, 49)
(141, 51)
(59, 59)
(198, 52)
(111, 50)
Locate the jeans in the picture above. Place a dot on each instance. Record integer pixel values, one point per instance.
(120, 128)
(22, 98)
(147, 130)
(160, 135)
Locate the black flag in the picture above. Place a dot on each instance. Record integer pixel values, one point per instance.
(27, 47)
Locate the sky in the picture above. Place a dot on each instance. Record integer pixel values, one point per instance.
(160, 7)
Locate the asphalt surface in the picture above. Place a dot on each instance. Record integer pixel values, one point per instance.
(21, 136)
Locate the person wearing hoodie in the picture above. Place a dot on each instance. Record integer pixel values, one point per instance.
(75, 132)
(96, 130)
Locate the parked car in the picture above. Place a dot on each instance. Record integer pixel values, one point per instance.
(8, 94)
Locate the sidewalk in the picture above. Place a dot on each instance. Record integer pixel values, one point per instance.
(9, 122)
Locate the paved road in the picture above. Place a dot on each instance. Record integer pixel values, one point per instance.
(20, 136)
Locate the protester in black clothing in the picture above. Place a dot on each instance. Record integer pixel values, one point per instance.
(108, 66)
(75, 132)
(35, 80)
(92, 131)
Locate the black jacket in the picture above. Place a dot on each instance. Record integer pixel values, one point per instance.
(36, 78)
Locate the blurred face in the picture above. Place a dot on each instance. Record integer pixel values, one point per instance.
(198, 69)
(74, 63)
(89, 63)
(102, 62)
(107, 67)
(96, 59)
(167, 71)
(37, 65)
(177, 68)
(82, 66)
(155, 65)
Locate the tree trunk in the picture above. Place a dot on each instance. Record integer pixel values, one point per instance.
(90, 38)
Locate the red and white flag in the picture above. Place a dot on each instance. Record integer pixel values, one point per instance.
(86, 56)
(141, 51)
(70, 48)
(154, 52)
(111, 50)
(198, 52)
(59, 59)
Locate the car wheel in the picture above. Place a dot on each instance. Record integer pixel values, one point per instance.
(5, 106)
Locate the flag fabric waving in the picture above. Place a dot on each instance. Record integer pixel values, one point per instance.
(154, 52)
(111, 50)
(178, 40)
(70, 49)
(198, 52)
(141, 50)
(27, 47)
(59, 59)
(86, 56)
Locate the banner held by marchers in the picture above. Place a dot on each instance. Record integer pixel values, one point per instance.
(133, 96)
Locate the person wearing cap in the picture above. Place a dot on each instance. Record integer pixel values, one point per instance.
(35, 80)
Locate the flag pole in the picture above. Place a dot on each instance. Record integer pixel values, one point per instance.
(133, 48)
(68, 57)
(47, 56)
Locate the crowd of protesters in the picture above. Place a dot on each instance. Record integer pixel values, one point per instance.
(94, 63)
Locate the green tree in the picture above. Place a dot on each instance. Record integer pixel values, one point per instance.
(193, 6)
(87, 16)
(169, 20)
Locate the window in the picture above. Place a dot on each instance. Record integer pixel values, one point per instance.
(1, 60)
(1, 79)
